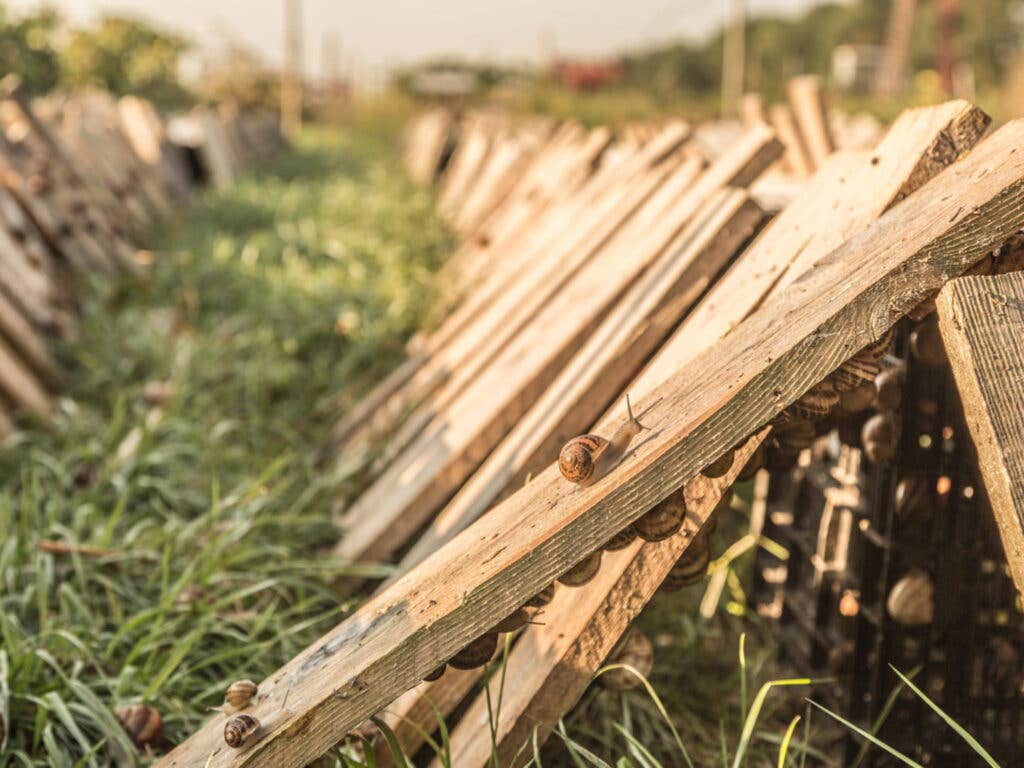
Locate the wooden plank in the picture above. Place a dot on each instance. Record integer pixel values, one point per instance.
(808, 103)
(608, 359)
(795, 158)
(482, 325)
(850, 300)
(23, 338)
(552, 665)
(462, 434)
(850, 191)
(21, 385)
(982, 325)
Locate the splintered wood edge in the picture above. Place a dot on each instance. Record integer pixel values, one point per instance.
(851, 299)
(982, 324)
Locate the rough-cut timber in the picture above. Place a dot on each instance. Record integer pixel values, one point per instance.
(982, 325)
(851, 298)
(808, 103)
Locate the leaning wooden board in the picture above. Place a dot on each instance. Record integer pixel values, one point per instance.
(851, 299)
(461, 436)
(830, 208)
(982, 325)
(819, 215)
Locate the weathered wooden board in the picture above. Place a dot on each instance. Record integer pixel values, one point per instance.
(552, 664)
(851, 190)
(982, 325)
(463, 433)
(851, 299)
(606, 361)
(808, 103)
(795, 158)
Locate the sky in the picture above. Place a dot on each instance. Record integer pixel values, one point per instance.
(381, 34)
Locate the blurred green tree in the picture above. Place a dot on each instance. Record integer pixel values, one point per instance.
(27, 47)
(125, 55)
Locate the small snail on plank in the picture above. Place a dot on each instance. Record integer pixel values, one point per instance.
(636, 651)
(880, 436)
(518, 618)
(664, 519)
(622, 539)
(476, 654)
(583, 571)
(239, 696)
(543, 597)
(816, 403)
(142, 723)
(864, 366)
(435, 674)
(587, 458)
(240, 730)
(691, 566)
(911, 601)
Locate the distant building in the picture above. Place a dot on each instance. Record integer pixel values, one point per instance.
(855, 67)
(587, 75)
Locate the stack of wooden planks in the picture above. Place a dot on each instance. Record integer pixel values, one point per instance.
(609, 268)
(82, 176)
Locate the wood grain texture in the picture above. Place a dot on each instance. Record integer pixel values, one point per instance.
(467, 427)
(849, 300)
(551, 665)
(807, 101)
(606, 361)
(795, 158)
(982, 325)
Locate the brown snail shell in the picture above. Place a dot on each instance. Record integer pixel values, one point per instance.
(240, 730)
(520, 617)
(543, 597)
(143, 724)
(583, 571)
(879, 437)
(664, 520)
(926, 344)
(817, 403)
(577, 458)
(864, 366)
(794, 435)
(913, 497)
(754, 463)
(476, 654)
(622, 539)
(240, 694)
(691, 566)
(435, 674)
(889, 388)
(911, 601)
(636, 650)
(587, 458)
(858, 399)
(720, 466)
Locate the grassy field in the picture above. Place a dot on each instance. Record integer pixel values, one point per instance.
(165, 537)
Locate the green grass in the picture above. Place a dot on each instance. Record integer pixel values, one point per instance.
(214, 527)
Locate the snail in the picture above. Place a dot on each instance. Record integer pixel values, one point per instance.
(913, 497)
(720, 466)
(816, 403)
(143, 724)
(636, 651)
(879, 436)
(543, 597)
(858, 399)
(889, 388)
(583, 571)
(1003, 668)
(518, 618)
(240, 730)
(691, 565)
(622, 539)
(864, 366)
(476, 654)
(435, 674)
(587, 458)
(664, 519)
(754, 463)
(911, 601)
(926, 344)
(239, 696)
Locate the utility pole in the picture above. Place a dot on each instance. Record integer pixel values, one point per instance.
(291, 75)
(733, 55)
(897, 47)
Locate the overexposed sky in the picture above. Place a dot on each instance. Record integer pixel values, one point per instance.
(384, 33)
